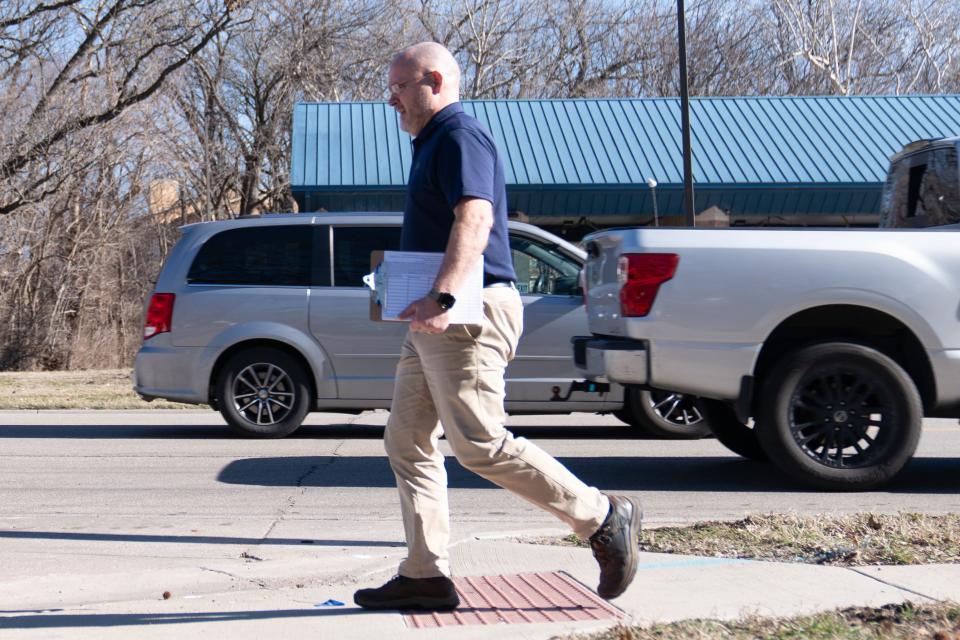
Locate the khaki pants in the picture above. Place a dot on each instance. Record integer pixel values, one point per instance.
(456, 378)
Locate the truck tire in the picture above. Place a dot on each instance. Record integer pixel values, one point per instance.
(664, 414)
(263, 392)
(839, 416)
(731, 432)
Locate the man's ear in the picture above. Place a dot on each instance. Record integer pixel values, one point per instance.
(437, 81)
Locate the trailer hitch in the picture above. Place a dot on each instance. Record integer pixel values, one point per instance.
(580, 385)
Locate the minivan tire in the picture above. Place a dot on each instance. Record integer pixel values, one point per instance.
(263, 392)
(663, 414)
(840, 416)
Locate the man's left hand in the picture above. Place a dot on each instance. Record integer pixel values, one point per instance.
(426, 316)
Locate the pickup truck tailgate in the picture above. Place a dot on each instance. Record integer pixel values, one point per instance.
(602, 286)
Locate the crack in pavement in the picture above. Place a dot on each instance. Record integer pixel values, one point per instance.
(291, 501)
(259, 583)
(891, 584)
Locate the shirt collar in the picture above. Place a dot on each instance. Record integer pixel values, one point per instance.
(438, 119)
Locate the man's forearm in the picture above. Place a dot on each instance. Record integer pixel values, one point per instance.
(468, 239)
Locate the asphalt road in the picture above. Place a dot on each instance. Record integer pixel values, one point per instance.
(164, 525)
(162, 468)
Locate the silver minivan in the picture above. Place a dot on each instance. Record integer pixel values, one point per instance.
(266, 319)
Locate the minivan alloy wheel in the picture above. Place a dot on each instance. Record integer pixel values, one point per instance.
(263, 393)
(675, 408)
(663, 414)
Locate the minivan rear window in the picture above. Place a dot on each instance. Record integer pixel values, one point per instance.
(352, 247)
(275, 255)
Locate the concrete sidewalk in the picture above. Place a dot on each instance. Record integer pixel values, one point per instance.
(294, 591)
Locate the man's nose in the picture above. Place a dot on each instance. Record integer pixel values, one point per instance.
(393, 101)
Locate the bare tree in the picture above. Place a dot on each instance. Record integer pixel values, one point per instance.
(71, 66)
(124, 118)
(235, 112)
(895, 46)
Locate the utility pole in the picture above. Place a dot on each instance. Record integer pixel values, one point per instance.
(653, 194)
(688, 204)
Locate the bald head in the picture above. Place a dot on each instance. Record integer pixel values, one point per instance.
(431, 56)
(423, 79)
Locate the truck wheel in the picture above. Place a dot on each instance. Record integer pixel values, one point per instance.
(731, 432)
(263, 392)
(664, 414)
(840, 416)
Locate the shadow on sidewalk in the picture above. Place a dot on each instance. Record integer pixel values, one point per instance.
(132, 537)
(87, 620)
(613, 473)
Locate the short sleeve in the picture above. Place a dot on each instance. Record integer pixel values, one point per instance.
(466, 166)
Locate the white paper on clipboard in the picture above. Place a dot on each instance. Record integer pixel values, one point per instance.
(405, 276)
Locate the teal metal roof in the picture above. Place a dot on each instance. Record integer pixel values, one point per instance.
(754, 155)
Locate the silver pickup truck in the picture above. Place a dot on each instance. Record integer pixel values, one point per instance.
(821, 349)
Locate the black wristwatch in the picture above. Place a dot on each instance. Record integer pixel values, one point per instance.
(442, 298)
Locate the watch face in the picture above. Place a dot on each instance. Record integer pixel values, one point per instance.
(446, 300)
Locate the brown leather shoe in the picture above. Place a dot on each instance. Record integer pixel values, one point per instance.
(616, 546)
(400, 592)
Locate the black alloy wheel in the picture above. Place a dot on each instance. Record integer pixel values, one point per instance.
(840, 416)
(263, 392)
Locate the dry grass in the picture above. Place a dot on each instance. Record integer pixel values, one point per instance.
(101, 389)
(847, 540)
(895, 622)
(860, 539)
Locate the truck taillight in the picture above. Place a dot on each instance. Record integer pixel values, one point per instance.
(640, 276)
(159, 315)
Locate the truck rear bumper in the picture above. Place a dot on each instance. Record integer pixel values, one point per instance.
(614, 359)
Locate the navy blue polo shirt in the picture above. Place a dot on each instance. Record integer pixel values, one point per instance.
(454, 157)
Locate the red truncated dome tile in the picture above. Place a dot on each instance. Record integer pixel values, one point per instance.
(525, 597)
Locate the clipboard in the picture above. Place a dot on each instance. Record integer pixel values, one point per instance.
(398, 278)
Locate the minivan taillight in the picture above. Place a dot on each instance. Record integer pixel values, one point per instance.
(159, 315)
(640, 276)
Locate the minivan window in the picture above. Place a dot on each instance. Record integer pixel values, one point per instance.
(352, 247)
(262, 255)
(543, 269)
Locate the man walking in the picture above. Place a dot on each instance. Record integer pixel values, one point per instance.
(450, 378)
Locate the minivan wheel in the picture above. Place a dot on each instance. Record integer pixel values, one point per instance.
(840, 416)
(664, 414)
(263, 392)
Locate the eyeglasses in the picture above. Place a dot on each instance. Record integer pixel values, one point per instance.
(397, 87)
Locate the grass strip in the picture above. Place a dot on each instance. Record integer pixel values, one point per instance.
(843, 540)
(100, 389)
(904, 621)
